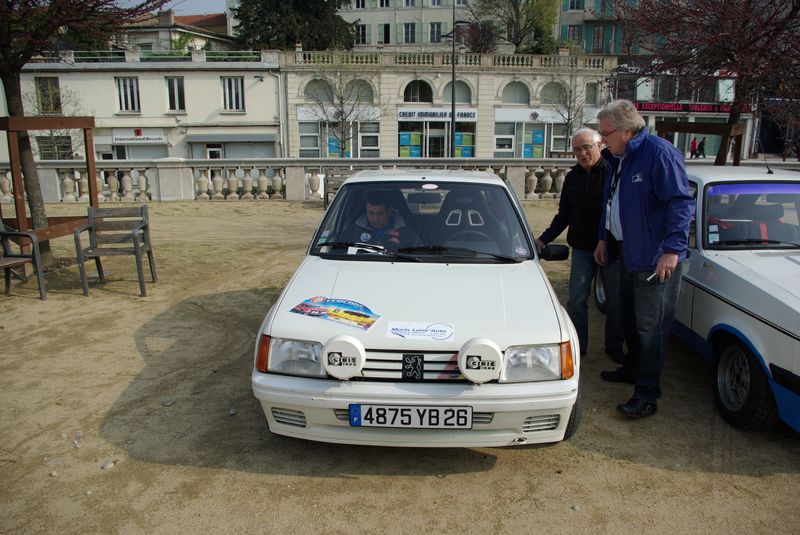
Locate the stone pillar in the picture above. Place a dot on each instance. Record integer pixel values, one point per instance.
(515, 175)
(216, 181)
(262, 184)
(247, 186)
(102, 195)
(202, 186)
(69, 187)
(113, 185)
(277, 185)
(562, 172)
(295, 183)
(127, 186)
(83, 186)
(232, 183)
(5, 186)
(545, 183)
(313, 184)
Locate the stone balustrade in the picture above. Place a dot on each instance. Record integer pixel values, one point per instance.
(253, 180)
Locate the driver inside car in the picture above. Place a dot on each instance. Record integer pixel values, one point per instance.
(380, 224)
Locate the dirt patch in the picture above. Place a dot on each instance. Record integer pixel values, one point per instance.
(123, 414)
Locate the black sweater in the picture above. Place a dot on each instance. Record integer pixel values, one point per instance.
(579, 208)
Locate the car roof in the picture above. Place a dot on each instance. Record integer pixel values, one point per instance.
(426, 175)
(704, 174)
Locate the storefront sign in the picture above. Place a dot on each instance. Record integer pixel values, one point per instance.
(138, 136)
(464, 115)
(682, 107)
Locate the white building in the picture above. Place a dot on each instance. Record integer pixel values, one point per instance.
(197, 105)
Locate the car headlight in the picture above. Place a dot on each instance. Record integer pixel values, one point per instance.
(296, 357)
(537, 363)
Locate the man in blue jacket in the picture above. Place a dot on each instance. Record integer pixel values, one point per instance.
(648, 209)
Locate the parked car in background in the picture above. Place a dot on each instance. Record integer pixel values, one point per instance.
(448, 333)
(739, 303)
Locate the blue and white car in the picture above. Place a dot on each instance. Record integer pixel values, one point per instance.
(739, 303)
(446, 334)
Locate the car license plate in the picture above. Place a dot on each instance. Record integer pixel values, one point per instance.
(419, 417)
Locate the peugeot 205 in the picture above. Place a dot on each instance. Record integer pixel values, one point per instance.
(739, 303)
(420, 316)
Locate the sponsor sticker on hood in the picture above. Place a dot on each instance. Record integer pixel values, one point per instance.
(338, 310)
(441, 332)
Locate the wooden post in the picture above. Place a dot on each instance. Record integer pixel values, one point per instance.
(88, 144)
(16, 180)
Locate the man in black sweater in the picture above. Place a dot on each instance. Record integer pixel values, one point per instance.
(580, 208)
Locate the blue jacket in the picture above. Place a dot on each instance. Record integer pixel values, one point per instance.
(655, 205)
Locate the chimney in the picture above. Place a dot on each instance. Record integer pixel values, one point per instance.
(166, 18)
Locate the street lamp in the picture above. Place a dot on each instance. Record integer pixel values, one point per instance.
(453, 83)
(453, 89)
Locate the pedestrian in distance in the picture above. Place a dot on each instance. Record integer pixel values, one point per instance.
(645, 222)
(701, 148)
(579, 211)
(693, 148)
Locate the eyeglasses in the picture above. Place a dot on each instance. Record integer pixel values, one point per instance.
(606, 134)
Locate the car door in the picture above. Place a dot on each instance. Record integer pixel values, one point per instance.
(693, 263)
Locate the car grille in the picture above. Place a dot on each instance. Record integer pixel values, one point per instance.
(547, 422)
(478, 418)
(388, 366)
(289, 417)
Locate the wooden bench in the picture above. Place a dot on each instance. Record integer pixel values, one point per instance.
(334, 178)
(115, 232)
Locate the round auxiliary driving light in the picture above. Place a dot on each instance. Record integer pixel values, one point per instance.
(480, 360)
(343, 357)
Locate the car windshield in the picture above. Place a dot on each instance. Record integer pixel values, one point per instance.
(423, 222)
(752, 215)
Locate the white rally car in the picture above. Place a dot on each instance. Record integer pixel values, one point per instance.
(739, 304)
(420, 317)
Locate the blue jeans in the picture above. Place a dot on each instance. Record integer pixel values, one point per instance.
(613, 329)
(580, 286)
(648, 310)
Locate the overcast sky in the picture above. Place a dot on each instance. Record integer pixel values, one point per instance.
(197, 7)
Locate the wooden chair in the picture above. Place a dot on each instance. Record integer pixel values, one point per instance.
(115, 232)
(11, 258)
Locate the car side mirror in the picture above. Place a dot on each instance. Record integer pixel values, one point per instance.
(554, 252)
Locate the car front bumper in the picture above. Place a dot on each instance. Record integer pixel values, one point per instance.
(503, 414)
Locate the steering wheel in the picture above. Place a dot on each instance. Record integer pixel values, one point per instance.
(465, 235)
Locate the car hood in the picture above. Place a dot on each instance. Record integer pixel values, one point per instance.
(776, 272)
(764, 283)
(429, 306)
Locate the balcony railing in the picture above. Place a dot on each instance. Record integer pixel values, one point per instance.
(314, 59)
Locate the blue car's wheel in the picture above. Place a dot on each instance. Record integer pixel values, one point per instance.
(600, 298)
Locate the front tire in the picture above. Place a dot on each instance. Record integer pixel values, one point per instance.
(574, 417)
(741, 389)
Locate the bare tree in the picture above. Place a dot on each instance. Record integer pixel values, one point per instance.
(567, 96)
(31, 27)
(518, 20)
(750, 41)
(340, 98)
(46, 99)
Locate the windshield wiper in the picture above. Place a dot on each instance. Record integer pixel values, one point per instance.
(368, 246)
(453, 251)
(746, 241)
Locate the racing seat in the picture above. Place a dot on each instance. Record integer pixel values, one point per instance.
(768, 224)
(465, 217)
